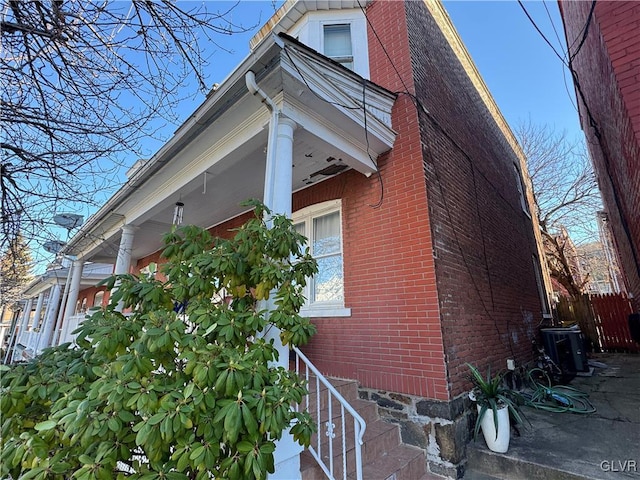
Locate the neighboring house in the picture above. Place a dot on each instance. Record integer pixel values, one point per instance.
(43, 321)
(596, 269)
(373, 129)
(604, 46)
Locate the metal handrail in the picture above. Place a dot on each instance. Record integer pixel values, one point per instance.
(359, 425)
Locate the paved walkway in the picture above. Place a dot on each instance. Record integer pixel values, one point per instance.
(604, 445)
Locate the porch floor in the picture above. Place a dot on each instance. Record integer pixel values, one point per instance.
(563, 446)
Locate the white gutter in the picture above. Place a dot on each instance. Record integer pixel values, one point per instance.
(183, 135)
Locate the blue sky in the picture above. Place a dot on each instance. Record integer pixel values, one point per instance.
(525, 77)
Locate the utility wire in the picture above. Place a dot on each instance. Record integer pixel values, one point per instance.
(585, 31)
(535, 25)
(383, 47)
(358, 107)
(592, 121)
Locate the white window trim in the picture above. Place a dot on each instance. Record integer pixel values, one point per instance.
(322, 309)
(521, 189)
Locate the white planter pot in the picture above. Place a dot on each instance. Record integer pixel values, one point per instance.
(500, 442)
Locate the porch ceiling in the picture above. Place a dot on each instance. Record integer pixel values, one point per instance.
(222, 164)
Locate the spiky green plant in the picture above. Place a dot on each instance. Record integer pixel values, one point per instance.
(491, 393)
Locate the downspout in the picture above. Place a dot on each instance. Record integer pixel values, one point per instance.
(254, 89)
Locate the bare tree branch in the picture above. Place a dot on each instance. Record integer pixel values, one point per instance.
(566, 195)
(83, 83)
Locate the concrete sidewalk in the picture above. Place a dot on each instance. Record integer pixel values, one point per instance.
(604, 445)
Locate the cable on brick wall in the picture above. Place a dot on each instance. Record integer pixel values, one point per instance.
(585, 32)
(421, 109)
(447, 209)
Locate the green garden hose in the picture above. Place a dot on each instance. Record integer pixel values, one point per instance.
(560, 398)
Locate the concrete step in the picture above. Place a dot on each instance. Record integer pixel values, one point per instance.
(471, 474)
(432, 476)
(402, 463)
(384, 457)
(379, 439)
(507, 466)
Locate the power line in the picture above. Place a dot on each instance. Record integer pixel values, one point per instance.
(562, 59)
(585, 31)
(383, 47)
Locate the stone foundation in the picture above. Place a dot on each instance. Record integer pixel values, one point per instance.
(442, 429)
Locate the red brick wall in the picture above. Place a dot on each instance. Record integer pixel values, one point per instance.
(608, 68)
(392, 341)
(483, 241)
(89, 294)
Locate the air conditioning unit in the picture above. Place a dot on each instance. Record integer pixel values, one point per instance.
(565, 346)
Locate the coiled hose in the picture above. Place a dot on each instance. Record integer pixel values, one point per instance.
(560, 398)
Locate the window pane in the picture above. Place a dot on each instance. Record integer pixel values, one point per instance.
(326, 234)
(337, 40)
(328, 282)
(97, 299)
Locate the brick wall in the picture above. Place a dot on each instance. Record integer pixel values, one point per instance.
(483, 240)
(392, 341)
(608, 69)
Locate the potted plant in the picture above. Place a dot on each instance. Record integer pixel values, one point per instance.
(496, 402)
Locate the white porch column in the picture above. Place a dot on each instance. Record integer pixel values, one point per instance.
(123, 262)
(283, 168)
(24, 325)
(279, 200)
(278, 195)
(72, 298)
(49, 319)
(38, 314)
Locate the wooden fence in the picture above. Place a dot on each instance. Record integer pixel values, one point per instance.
(612, 322)
(603, 319)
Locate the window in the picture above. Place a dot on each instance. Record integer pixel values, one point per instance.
(541, 289)
(97, 299)
(337, 44)
(521, 190)
(340, 34)
(322, 226)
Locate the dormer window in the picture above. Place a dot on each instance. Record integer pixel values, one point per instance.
(340, 34)
(337, 44)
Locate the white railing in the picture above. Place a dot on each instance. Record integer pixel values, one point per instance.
(73, 322)
(25, 346)
(327, 424)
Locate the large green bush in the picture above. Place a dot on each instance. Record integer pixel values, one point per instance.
(182, 386)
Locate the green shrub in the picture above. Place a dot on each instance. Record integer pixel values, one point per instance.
(180, 387)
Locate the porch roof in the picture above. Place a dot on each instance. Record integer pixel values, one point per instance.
(216, 159)
(91, 274)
